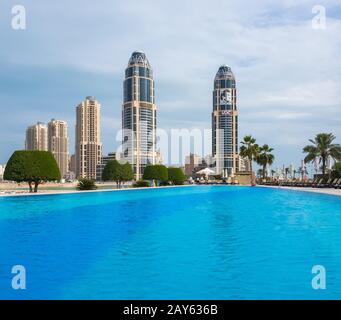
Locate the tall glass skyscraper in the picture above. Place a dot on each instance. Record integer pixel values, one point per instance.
(139, 114)
(225, 123)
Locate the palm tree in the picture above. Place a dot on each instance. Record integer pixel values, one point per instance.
(259, 173)
(302, 171)
(249, 149)
(265, 158)
(322, 148)
(286, 171)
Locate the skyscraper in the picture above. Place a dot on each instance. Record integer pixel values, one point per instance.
(58, 144)
(36, 137)
(225, 123)
(88, 138)
(139, 114)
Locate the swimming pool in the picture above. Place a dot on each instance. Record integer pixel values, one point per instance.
(200, 242)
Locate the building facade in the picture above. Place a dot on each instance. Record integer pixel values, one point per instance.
(2, 171)
(36, 137)
(88, 138)
(192, 162)
(244, 164)
(225, 123)
(58, 144)
(72, 163)
(100, 167)
(139, 114)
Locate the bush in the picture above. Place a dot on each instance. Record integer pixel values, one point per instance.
(165, 183)
(141, 184)
(33, 167)
(86, 184)
(176, 176)
(155, 172)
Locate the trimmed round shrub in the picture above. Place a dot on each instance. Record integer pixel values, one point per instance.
(33, 167)
(155, 172)
(176, 176)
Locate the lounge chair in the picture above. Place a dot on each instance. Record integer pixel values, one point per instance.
(325, 184)
(331, 185)
(337, 185)
(317, 183)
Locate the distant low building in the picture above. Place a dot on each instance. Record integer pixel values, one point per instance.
(195, 163)
(100, 167)
(158, 158)
(191, 162)
(70, 176)
(244, 164)
(2, 171)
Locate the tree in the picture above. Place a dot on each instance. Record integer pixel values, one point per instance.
(294, 174)
(249, 149)
(86, 184)
(176, 176)
(33, 167)
(336, 173)
(156, 172)
(127, 172)
(113, 171)
(259, 173)
(286, 171)
(265, 158)
(302, 171)
(321, 149)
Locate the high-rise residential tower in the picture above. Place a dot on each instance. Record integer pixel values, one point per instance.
(58, 144)
(139, 114)
(225, 123)
(88, 138)
(36, 137)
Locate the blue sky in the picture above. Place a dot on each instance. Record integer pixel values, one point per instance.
(288, 74)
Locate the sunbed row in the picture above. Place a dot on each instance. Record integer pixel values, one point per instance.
(316, 183)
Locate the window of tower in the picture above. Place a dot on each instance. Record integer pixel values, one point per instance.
(145, 90)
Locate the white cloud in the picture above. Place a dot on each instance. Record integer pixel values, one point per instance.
(285, 70)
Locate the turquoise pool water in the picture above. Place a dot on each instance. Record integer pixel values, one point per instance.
(205, 242)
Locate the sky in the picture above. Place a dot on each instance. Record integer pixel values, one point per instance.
(288, 73)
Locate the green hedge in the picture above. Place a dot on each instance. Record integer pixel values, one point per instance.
(155, 172)
(176, 176)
